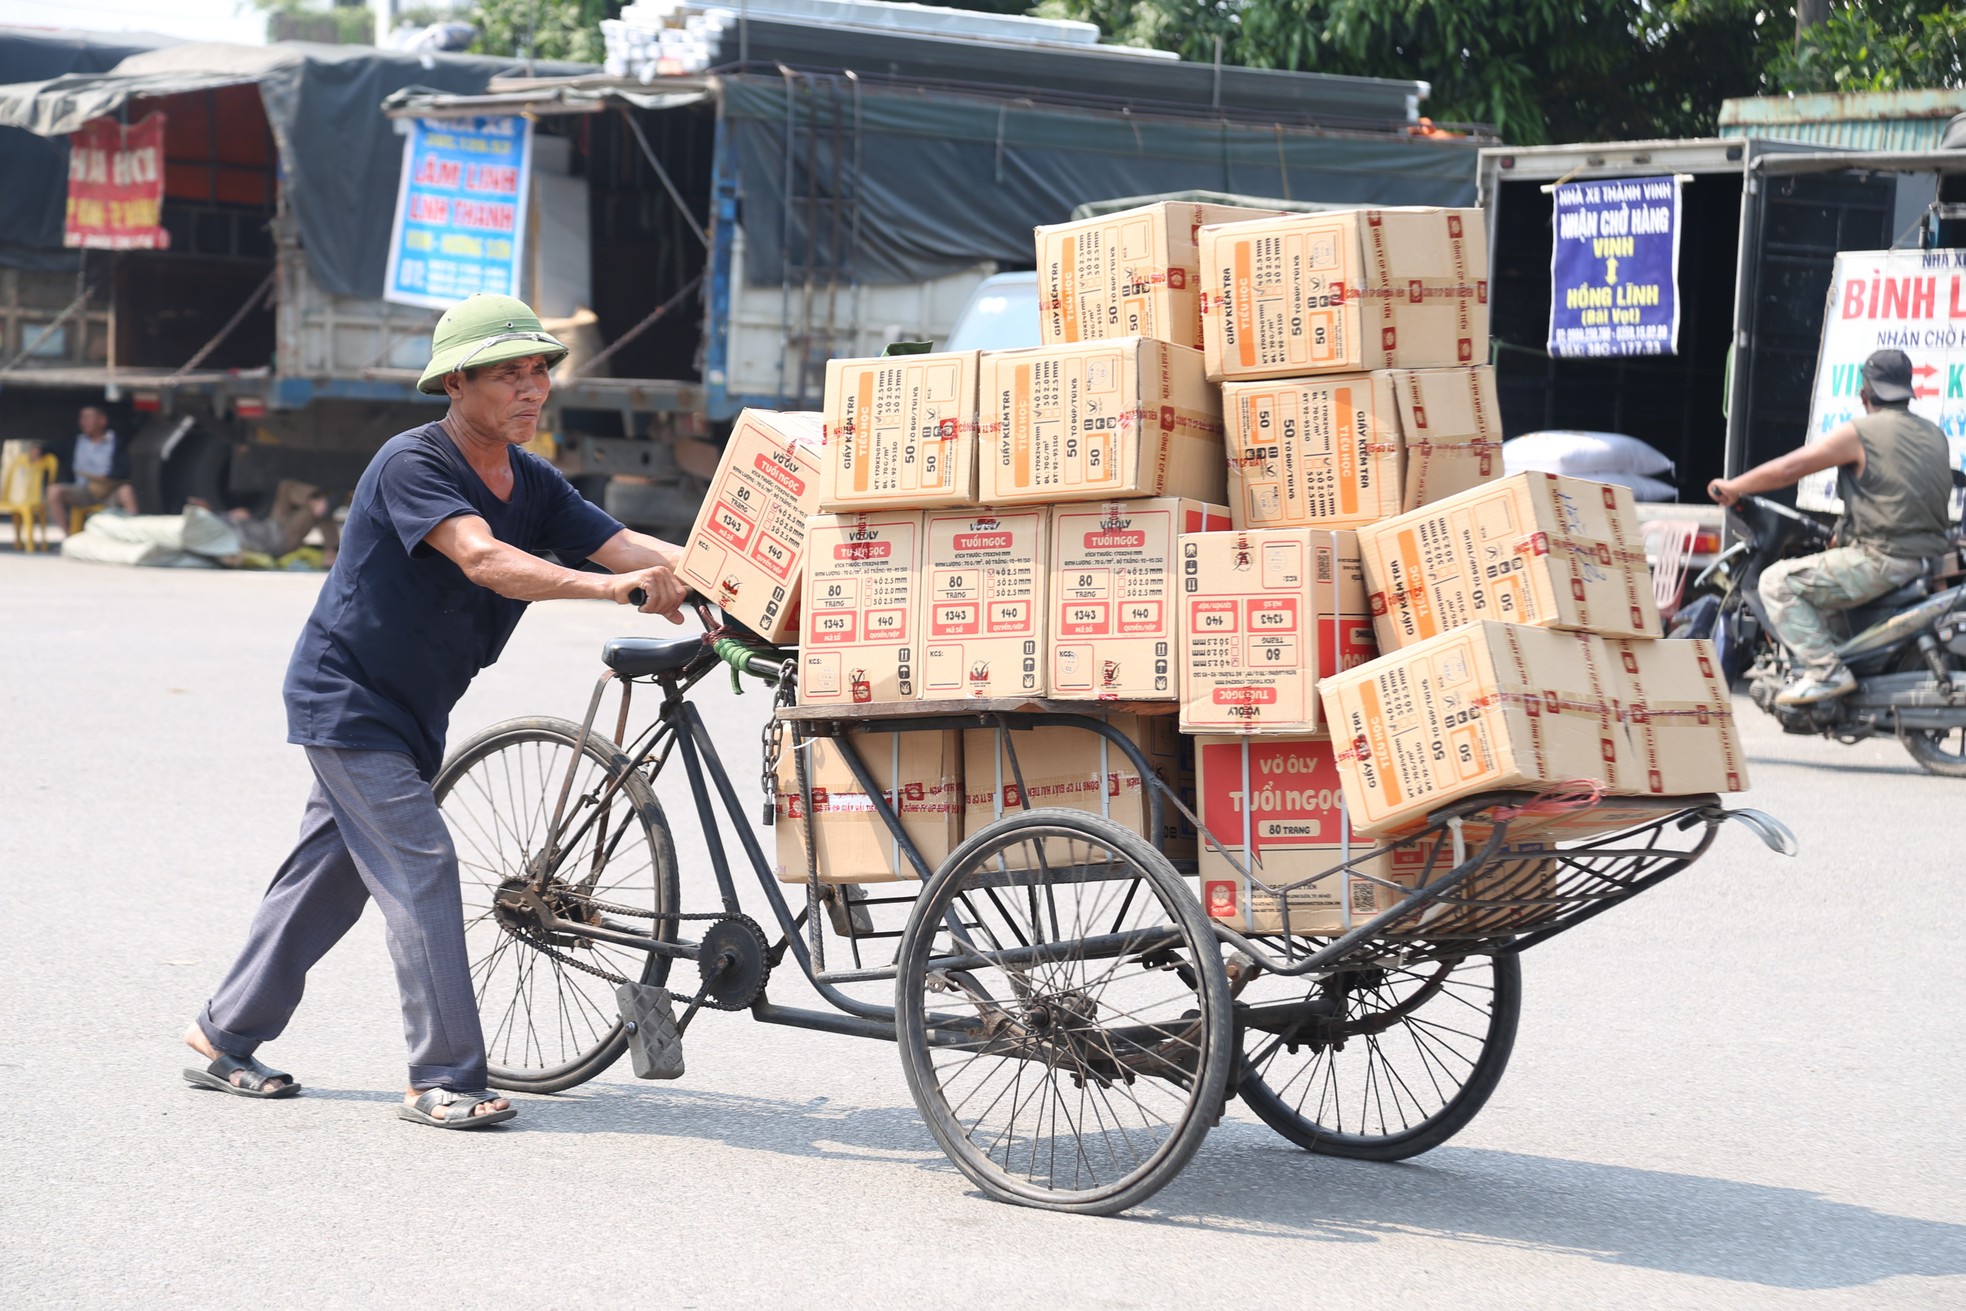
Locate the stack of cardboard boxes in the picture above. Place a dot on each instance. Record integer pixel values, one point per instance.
(1250, 485)
(1351, 346)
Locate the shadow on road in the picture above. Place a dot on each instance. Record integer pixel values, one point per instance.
(1244, 1181)
(1651, 1219)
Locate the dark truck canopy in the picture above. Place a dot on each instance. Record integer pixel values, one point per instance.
(340, 156)
(938, 178)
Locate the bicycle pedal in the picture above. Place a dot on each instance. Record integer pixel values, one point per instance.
(648, 1014)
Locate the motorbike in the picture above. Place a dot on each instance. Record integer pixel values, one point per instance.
(1907, 648)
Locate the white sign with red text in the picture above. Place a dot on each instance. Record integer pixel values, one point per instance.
(1908, 300)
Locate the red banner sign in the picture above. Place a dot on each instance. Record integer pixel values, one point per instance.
(116, 186)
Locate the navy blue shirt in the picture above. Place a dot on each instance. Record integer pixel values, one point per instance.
(399, 632)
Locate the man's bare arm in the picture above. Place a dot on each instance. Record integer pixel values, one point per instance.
(1839, 448)
(468, 542)
(628, 551)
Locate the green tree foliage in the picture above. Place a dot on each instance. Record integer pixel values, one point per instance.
(1561, 70)
(1878, 47)
(557, 29)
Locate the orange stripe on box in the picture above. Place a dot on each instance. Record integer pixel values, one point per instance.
(1020, 428)
(1375, 732)
(1417, 600)
(1068, 289)
(1243, 311)
(862, 439)
(1345, 448)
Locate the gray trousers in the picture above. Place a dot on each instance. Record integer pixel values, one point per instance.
(371, 830)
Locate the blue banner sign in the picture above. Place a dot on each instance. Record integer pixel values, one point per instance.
(460, 211)
(1614, 269)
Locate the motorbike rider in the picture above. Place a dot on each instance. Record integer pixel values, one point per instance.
(1893, 474)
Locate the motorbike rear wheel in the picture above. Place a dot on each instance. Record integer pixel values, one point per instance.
(1940, 751)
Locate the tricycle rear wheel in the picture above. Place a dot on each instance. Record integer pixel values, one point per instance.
(1063, 1014)
(1390, 1062)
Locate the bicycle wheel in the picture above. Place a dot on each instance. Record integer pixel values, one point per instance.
(1062, 1014)
(550, 1021)
(1383, 1063)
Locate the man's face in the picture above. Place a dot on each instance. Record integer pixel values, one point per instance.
(92, 422)
(503, 398)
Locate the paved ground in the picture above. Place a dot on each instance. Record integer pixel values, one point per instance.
(1741, 1090)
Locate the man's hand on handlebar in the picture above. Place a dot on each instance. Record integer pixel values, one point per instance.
(652, 591)
(1723, 491)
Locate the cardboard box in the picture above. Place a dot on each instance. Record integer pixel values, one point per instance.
(747, 550)
(1129, 417)
(1345, 291)
(1489, 706)
(1319, 452)
(1349, 449)
(1516, 891)
(1295, 820)
(1450, 431)
(1264, 616)
(1680, 718)
(918, 773)
(860, 640)
(1078, 770)
(900, 432)
(1134, 273)
(984, 600)
(1112, 620)
(1531, 549)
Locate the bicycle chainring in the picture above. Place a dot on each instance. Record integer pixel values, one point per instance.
(734, 960)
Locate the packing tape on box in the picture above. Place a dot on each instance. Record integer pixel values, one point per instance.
(1165, 417)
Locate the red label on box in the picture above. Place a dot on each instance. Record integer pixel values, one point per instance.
(1273, 614)
(1221, 899)
(1111, 539)
(955, 619)
(830, 627)
(1009, 616)
(1212, 616)
(863, 550)
(1140, 617)
(982, 542)
(774, 556)
(1083, 619)
(730, 527)
(1292, 784)
(1245, 696)
(779, 474)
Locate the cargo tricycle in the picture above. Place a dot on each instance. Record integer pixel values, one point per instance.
(1070, 1022)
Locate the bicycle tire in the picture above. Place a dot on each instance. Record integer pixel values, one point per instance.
(531, 799)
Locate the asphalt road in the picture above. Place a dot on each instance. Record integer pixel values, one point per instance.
(1741, 1090)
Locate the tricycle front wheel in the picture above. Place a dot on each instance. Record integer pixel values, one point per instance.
(1384, 1063)
(1063, 1014)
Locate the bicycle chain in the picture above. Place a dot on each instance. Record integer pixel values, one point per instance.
(667, 916)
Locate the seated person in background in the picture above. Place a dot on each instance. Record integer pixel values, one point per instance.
(298, 509)
(99, 465)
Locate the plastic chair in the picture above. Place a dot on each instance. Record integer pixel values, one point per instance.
(23, 497)
(1669, 549)
(78, 515)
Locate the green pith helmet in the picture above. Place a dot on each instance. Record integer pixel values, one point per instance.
(484, 330)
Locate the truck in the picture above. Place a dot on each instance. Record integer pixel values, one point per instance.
(1763, 218)
(710, 240)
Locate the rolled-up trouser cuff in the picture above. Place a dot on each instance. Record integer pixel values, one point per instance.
(457, 1078)
(226, 1041)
